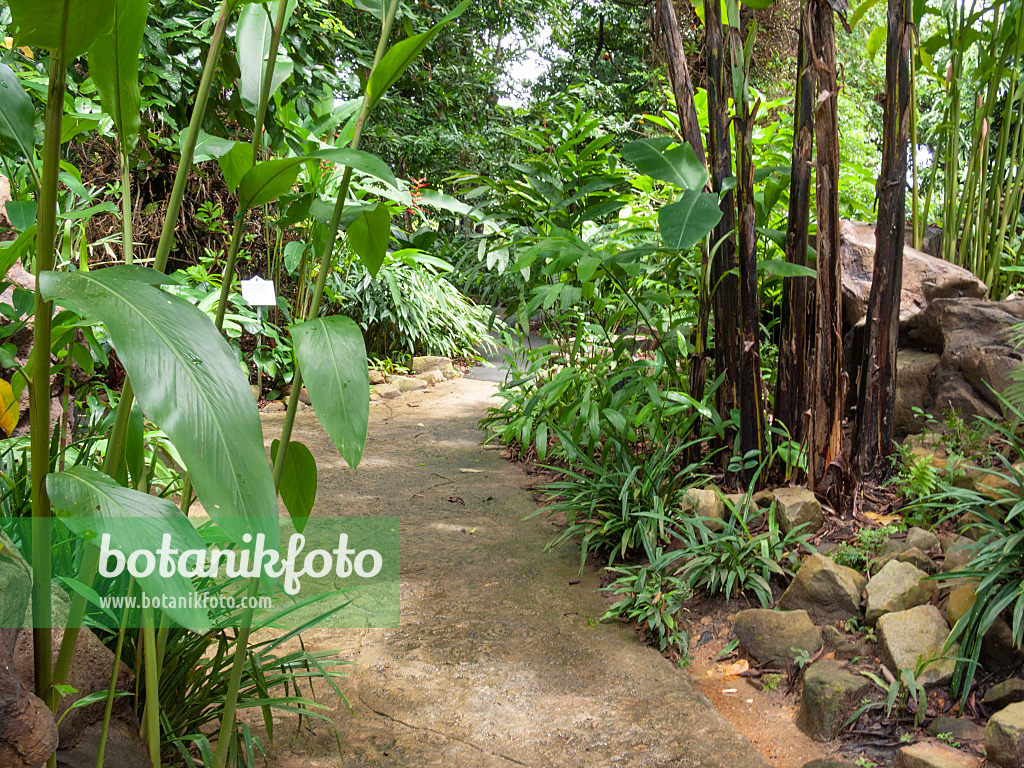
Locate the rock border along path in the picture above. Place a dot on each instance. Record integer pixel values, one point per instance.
(499, 660)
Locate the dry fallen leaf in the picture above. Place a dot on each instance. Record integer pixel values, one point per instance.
(9, 411)
(736, 668)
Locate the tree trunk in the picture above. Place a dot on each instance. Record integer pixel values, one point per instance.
(682, 89)
(724, 284)
(751, 403)
(791, 385)
(825, 437)
(877, 392)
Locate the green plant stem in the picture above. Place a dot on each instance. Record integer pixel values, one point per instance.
(229, 268)
(152, 712)
(39, 408)
(227, 723)
(268, 76)
(195, 124)
(126, 210)
(109, 705)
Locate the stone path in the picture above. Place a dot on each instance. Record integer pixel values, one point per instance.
(499, 660)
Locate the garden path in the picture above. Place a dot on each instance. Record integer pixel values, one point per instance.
(499, 660)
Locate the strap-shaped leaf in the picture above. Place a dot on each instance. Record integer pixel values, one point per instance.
(358, 160)
(678, 166)
(332, 358)
(687, 221)
(114, 66)
(252, 41)
(17, 116)
(189, 384)
(369, 236)
(38, 23)
(298, 481)
(402, 54)
(91, 504)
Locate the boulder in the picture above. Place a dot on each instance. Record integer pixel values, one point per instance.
(377, 377)
(1002, 695)
(1004, 737)
(957, 551)
(776, 635)
(831, 695)
(960, 728)
(796, 506)
(914, 556)
(925, 278)
(999, 655)
(921, 539)
(430, 363)
(896, 587)
(274, 406)
(914, 385)
(829, 593)
(988, 370)
(431, 377)
(960, 601)
(386, 391)
(406, 383)
(928, 754)
(949, 324)
(918, 634)
(931, 240)
(707, 503)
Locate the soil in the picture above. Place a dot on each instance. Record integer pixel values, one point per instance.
(499, 659)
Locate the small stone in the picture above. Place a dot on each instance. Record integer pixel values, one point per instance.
(917, 558)
(960, 728)
(374, 397)
(431, 377)
(833, 637)
(960, 601)
(1004, 737)
(386, 391)
(957, 550)
(796, 506)
(831, 695)
(928, 754)
(377, 377)
(776, 635)
(406, 383)
(920, 633)
(1002, 695)
(274, 406)
(431, 363)
(897, 587)
(705, 503)
(829, 593)
(850, 651)
(921, 539)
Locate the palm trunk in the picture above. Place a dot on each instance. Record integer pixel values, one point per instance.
(877, 393)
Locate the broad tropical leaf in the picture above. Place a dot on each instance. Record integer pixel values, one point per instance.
(91, 504)
(298, 482)
(188, 382)
(267, 181)
(687, 221)
(332, 358)
(39, 23)
(252, 41)
(678, 166)
(369, 236)
(114, 66)
(358, 160)
(17, 116)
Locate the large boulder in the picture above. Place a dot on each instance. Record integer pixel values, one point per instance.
(831, 695)
(1004, 737)
(776, 635)
(896, 587)
(707, 503)
(1002, 695)
(829, 593)
(918, 636)
(797, 506)
(925, 278)
(914, 385)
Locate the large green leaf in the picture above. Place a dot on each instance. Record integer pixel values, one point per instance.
(678, 166)
(235, 163)
(39, 23)
(188, 382)
(687, 221)
(92, 504)
(358, 160)
(268, 180)
(252, 41)
(369, 236)
(17, 116)
(402, 54)
(298, 481)
(332, 359)
(114, 66)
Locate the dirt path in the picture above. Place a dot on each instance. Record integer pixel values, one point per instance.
(499, 660)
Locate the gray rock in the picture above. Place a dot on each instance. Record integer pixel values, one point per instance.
(831, 694)
(377, 377)
(1004, 737)
(921, 539)
(431, 377)
(1002, 695)
(927, 754)
(406, 383)
(386, 391)
(796, 506)
(988, 370)
(957, 551)
(430, 363)
(829, 593)
(896, 587)
(960, 728)
(915, 373)
(707, 503)
(918, 634)
(776, 635)
(274, 406)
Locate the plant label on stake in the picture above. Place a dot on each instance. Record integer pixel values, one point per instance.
(259, 293)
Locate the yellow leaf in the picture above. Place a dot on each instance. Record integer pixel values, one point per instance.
(9, 406)
(9, 44)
